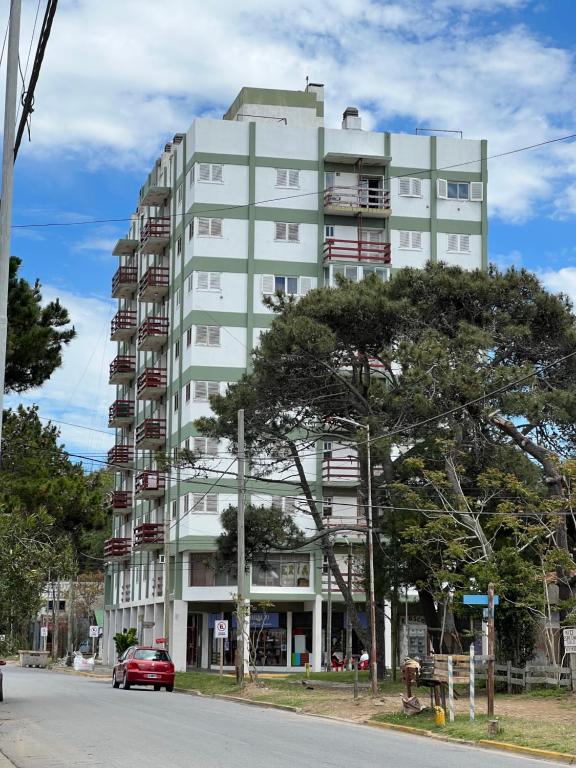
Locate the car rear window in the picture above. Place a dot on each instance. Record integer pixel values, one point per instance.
(151, 655)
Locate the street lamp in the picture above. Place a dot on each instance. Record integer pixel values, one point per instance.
(370, 546)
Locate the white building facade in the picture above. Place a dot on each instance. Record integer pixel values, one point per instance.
(234, 209)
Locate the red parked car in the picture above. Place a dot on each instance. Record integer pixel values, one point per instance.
(144, 665)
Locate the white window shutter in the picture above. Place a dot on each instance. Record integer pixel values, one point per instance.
(464, 243)
(442, 188)
(213, 388)
(202, 281)
(268, 284)
(204, 171)
(293, 178)
(305, 285)
(203, 227)
(215, 227)
(404, 239)
(200, 390)
(417, 241)
(215, 278)
(453, 243)
(217, 174)
(213, 336)
(211, 502)
(280, 230)
(197, 501)
(476, 191)
(190, 283)
(211, 446)
(281, 177)
(201, 335)
(404, 186)
(293, 233)
(416, 187)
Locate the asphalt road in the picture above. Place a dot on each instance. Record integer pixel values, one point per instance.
(53, 720)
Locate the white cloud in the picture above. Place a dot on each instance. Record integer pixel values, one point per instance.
(561, 281)
(121, 78)
(78, 392)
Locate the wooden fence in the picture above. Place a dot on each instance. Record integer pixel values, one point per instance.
(517, 678)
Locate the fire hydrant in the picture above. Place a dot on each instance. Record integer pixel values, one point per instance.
(439, 717)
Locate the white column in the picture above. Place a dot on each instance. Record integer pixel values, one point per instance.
(317, 634)
(247, 637)
(289, 639)
(388, 633)
(178, 634)
(206, 651)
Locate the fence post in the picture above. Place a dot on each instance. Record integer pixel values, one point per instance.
(509, 676)
(450, 690)
(472, 682)
(527, 678)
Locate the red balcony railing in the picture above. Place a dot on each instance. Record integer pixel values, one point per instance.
(150, 483)
(124, 282)
(153, 333)
(117, 547)
(343, 469)
(122, 369)
(120, 413)
(151, 383)
(154, 284)
(149, 534)
(151, 433)
(121, 500)
(123, 325)
(121, 456)
(357, 250)
(155, 234)
(351, 200)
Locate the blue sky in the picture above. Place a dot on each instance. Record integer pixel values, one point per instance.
(120, 79)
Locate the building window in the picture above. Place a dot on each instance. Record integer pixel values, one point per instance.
(177, 350)
(209, 227)
(327, 507)
(458, 243)
(460, 190)
(329, 179)
(289, 233)
(208, 281)
(187, 392)
(190, 282)
(204, 389)
(206, 446)
(187, 444)
(179, 194)
(207, 336)
(210, 173)
(287, 570)
(287, 178)
(283, 503)
(179, 246)
(410, 187)
(174, 510)
(297, 286)
(329, 231)
(191, 230)
(186, 502)
(176, 402)
(204, 573)
(205, 503)
(177, 297)
(191, 175)
(189, 337)
(327, 450)
(410, 241)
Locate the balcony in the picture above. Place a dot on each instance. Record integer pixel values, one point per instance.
(121, 500)
(151, 384)
(123, 325)
(155, 195)
(124, 282)
(150, 484)
(122, 369)
(351, 201)
(151, 433)
(152, 334)
(357, 250)
(155, 234)
(345, 469)
(154, 284)
(125, 247)
(149, 536)
(121, 413)
(117, 548)
(121, 457)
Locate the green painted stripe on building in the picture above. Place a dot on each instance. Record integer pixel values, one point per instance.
(288, 268)
(251, 239)
(484, 213)
(228, 319)
(211, 373)
(240, 266)
(215, 264)
(274, 97)
(197, 544)
(352, 221)
(332, 167)
(291, 215)
(218, 211)
(420, 173)
(411, 223)
(453, 227)
(320, 213)
(433, 200)
(284, 162)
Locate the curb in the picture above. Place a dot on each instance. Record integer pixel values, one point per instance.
(500, 746)
(237, 699)
(66, 671)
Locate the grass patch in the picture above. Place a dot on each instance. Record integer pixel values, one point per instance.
(205, 682)
(542, 734)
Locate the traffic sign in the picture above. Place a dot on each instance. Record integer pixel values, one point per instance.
(43, 631)
(94, 631)
(569, 639)
(221, 628)
(479, 600)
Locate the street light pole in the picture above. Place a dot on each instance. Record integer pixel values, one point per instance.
(372, 598)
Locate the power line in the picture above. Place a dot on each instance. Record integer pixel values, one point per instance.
(222, 209)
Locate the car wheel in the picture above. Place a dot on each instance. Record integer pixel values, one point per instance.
(157, 687)
(115, 683)
(126, 685)
(169, 688)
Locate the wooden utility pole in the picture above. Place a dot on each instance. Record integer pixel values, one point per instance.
(490, 666)
(348, 617)
(241, 618)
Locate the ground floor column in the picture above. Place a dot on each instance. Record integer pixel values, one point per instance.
(317, 634)
(178, 634)
(289, 639)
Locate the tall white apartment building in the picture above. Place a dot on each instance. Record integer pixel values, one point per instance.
(232, 210)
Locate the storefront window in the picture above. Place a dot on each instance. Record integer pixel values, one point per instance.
(204, 572)
(282, 571)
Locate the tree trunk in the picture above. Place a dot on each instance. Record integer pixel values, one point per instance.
(431, 617)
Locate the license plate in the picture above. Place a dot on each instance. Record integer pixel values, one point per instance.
(152, 675)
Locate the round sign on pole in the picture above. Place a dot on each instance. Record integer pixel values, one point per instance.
(221, 629)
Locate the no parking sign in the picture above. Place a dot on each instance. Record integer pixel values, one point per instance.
(221, 629)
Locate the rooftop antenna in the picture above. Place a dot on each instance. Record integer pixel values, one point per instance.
(307, 78)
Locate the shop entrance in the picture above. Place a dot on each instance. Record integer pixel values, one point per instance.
(194, 640)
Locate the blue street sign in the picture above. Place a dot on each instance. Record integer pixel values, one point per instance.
(479, 600)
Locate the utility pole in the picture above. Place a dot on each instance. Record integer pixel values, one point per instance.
(329, 617)
(8, 184)
(373, 660)
(241, 618)
(490, 667)
(348, 617)
(70, 628)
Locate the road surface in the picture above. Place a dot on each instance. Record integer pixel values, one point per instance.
(55, 720)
